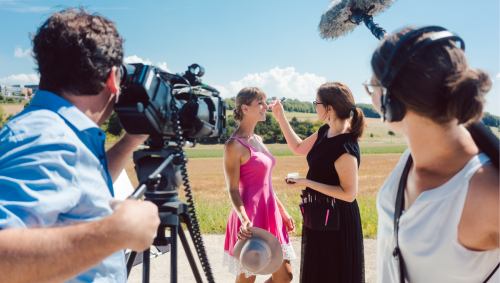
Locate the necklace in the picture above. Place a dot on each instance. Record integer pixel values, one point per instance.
(247, 137)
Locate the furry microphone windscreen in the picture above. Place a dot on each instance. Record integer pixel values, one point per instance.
(335, 20)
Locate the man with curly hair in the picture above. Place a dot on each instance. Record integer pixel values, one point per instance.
(58, 219)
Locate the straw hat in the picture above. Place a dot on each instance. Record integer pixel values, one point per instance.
(260, 254)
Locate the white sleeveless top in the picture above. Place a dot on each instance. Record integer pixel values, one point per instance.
(428, 233)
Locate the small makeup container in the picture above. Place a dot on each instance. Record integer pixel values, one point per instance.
(292, 175)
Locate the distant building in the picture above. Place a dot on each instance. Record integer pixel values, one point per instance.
(7, 90)
(18, 89)
(32, 88)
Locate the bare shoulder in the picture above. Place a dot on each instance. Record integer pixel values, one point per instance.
(233, 146)
(345, 160)
(484, 186)
(479, 226)
(235, 149)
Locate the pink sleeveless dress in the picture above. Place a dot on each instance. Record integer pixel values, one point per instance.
(257, 194)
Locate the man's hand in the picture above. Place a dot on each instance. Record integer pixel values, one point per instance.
(78, 247)
(137, 222)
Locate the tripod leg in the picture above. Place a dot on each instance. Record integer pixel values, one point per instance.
(173, 253)
(130, 262)
(145, 266)
(189, 254)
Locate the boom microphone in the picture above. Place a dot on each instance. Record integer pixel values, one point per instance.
(344, 15)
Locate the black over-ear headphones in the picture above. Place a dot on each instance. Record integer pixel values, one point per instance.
(392, 109)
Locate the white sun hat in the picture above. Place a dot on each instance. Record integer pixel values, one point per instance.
(260, 254)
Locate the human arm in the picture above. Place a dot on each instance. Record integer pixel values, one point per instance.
(287, 219)
(347, 169)
(59, 254)
(40, 192)
(480, 222)
(296, 144)
(232, 161)
(120, 153)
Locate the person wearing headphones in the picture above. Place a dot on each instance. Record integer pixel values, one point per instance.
(439, 208)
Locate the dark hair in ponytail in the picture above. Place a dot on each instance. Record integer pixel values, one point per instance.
(339, 97)
(358, 123)
(436, 82)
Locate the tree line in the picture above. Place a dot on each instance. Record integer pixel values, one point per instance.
(269, 130)
(292, 105)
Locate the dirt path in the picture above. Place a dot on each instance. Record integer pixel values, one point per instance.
(160, 267)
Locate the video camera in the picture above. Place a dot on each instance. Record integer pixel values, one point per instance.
(155, 102)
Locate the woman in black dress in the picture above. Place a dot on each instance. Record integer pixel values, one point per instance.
(333, 156)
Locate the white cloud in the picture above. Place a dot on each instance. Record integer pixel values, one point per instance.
(21, 79)
(224, 92)
(280, 82)
(163, 66)
(498, 76)
(19, 53)
(134, 59)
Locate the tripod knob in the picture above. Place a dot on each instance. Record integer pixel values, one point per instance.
(153, 183)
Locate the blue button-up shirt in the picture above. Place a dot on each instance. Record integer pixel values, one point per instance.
(53, 172)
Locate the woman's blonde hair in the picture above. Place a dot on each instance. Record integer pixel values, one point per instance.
(246, 96)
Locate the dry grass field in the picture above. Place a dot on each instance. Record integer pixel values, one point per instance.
(207, 174)
(12, 108)
(213, 205)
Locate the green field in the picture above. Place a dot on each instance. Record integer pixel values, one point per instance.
(216, 151)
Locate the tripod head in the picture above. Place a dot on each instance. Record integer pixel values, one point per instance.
(159, 168)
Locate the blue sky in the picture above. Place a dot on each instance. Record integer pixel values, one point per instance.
(274, 45)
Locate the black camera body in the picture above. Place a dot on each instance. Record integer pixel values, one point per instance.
(152, 100)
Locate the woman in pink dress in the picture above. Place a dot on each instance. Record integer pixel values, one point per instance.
(248, 166)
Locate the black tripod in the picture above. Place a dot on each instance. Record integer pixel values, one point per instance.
(159, 170)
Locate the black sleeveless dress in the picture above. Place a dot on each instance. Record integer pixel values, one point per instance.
(333, 256)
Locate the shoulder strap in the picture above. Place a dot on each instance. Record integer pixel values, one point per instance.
(491, 274)
(242, 142)
(400, 202)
